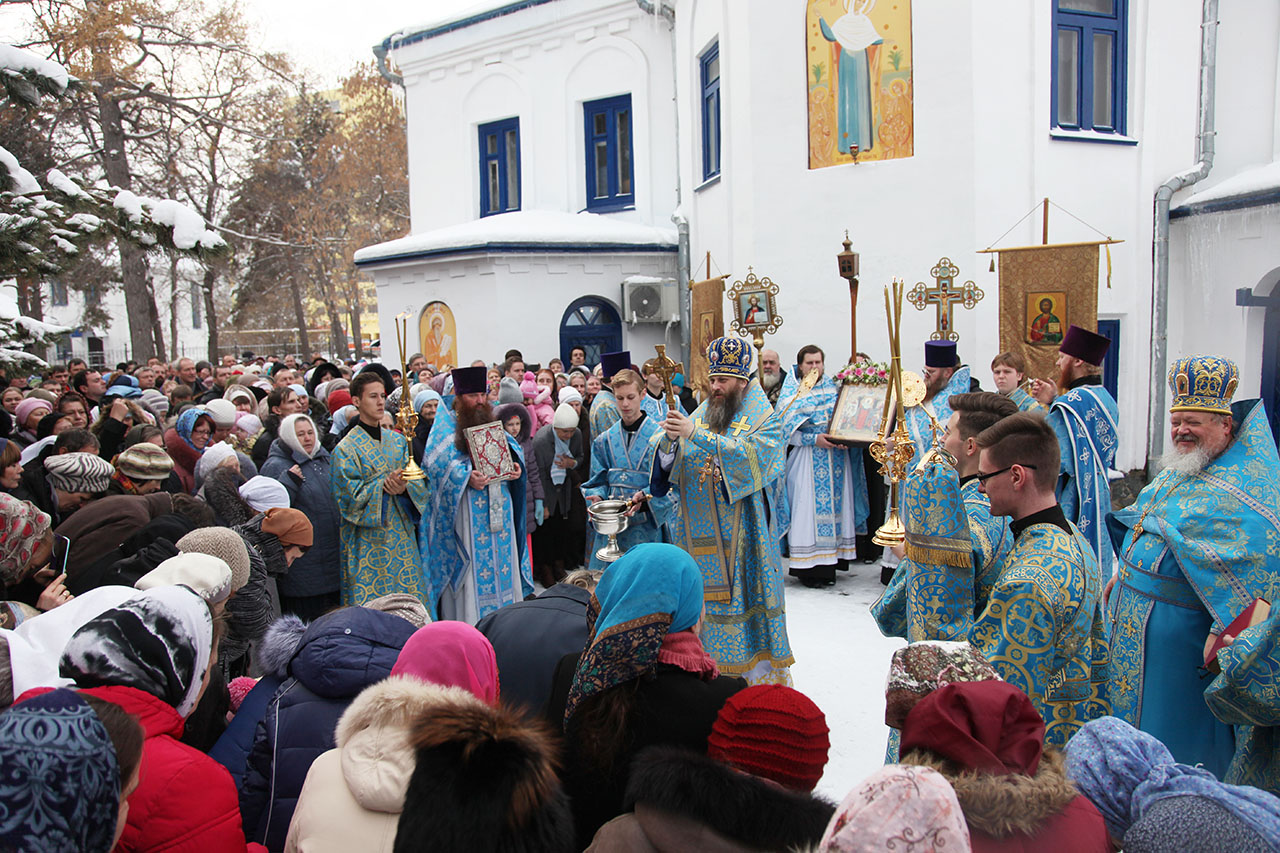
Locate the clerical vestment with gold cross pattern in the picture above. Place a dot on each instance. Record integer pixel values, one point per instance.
(731, 487)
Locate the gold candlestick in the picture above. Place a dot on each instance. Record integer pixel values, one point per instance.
(895, 462)
(406, 417)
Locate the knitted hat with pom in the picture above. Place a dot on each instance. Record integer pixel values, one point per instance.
(774, 732)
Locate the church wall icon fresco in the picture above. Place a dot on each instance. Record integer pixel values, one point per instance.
(439, 335)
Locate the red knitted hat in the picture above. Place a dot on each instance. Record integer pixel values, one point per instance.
(774, 732)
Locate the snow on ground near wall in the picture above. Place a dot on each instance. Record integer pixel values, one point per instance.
(524, 227)
(1254, 179)
(842, 661)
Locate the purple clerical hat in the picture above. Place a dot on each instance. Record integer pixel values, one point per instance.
(469, 380)
(612, 362)
(1085, 345)
(940, 354)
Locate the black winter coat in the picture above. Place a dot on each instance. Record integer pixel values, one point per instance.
(316, 572)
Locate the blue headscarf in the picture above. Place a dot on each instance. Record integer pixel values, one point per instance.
(653, 590)
(187, 422)
(59, 778)
(1123, 771)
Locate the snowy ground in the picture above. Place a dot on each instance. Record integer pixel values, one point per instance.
(841, 664)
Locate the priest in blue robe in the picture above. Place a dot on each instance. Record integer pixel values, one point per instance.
(727, 461)
(621, 465)
(1084, 417)
(1244, 695)
(475, 544)
(379, 508)
(604, 408)
(944, 377)
(826, 483)
(1042, 628)
(1195, 549)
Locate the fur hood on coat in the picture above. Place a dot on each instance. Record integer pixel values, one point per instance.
(1004, 805)
(672, 789)
(279, 644)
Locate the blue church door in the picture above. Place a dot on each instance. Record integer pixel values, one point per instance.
(593, 324)
(1271, 361)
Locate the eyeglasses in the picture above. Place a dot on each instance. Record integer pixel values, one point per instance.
(201, 431)
(982, 478)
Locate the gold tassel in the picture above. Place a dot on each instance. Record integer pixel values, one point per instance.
(938, 556)
(993, 263)
(1108, 265)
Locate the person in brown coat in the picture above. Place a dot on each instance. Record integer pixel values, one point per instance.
(104, 524)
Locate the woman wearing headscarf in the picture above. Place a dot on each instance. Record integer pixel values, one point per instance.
(1152, 803)
(301, 464)
(187, 441)
(987, 739)
(71, 761)
(643, 680)
(425, 403)
(913, 808)
(151, 656)
(27, 419)
(26, 545)
(427, 757)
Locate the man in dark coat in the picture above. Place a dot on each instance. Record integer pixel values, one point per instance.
(558, 450)
(530, 637)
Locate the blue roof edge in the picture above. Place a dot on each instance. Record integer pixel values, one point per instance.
(530, 248)
(462, 23)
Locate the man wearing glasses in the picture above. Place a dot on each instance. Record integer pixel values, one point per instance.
(1042, 627)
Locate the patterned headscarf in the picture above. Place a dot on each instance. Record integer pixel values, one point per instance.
(451, 654)
(654, 589)
(59, 778)
(899, 807)
(1123, 771)
(22, 527)
(187, 422)
(158, 642)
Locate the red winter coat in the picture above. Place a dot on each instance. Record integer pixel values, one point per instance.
(185, 800)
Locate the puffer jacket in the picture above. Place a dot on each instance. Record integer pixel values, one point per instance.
(317, 571)
(185, 800)
(341, 654)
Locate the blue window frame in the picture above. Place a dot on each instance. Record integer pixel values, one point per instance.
(710, 63)
(57, 292)
(1090, 62)
(500, 166)
(610, 174)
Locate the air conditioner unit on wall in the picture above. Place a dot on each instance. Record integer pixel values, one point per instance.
(646, 299)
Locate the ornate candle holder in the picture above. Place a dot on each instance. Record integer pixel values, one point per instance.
(908, 389)
(406, 417)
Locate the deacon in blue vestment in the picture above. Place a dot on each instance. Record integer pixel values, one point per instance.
(1084, 418)
(944, 377)
(475, 544)
(621, 465)
(727, 461)
(1009, 373)
(1042, 628)
(826, 484)
(654, 398)
(377, 535)
(1196, 548)
(604, 408)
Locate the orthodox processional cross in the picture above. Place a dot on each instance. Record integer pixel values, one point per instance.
(945, 294)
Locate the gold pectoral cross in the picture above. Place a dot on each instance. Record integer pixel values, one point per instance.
(709, 471)
(740, 426)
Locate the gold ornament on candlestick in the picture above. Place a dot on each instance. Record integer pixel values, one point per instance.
(666, 368)
(906, 390)
(406, 417)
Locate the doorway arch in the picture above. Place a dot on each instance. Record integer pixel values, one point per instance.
(1271, 360)
(593, 323)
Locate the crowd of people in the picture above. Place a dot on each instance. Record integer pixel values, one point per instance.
(277, 604)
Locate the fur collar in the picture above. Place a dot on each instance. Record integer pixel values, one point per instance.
(395, 702)
(739, 806)
(1005, 805)
(279, 644)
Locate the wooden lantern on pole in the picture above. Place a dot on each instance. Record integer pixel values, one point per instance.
(849, 271)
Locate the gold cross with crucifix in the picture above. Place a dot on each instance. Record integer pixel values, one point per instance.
(666, 368)
(945, 294)
(709, 471)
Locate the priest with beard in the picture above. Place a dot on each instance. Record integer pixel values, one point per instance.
(771, 378)
(1195, 549)
(944, 377)
(728, 462)
(1083, 415)
(474, 535)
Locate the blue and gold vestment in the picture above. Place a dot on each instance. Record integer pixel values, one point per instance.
(656, 407)
(730, 488)
(1084, 419)
(604, 411)
(618, 471)
(379, 544)
(1246, 694)
(1195, 551)
(918, 423)
(1042, 628)
(1024, 401)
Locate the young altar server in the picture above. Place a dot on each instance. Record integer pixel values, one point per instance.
(621, 462)
(604, 409)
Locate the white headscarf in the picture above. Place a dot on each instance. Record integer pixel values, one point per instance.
(263, 493)
(289, 434)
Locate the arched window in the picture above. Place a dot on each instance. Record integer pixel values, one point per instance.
(593, 324)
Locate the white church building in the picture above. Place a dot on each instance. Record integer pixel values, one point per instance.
(573, 162)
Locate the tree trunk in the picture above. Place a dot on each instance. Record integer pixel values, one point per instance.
(30, 304)
(173, 301)
(210, 320)
(301, 315)
(353, 311)
(139, 304)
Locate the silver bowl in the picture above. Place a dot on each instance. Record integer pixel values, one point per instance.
(609, 519)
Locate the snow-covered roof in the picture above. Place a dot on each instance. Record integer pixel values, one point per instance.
(1252, 181)
(483, 10)
(526, 231)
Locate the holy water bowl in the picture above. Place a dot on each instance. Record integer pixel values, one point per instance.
(609, 519)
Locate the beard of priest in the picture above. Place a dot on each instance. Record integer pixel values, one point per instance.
(723, 404)
(473, 410)
(1198, 438)
(936, 379)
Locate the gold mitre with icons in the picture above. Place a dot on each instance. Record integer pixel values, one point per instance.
(1203, 383)
(729, 357)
